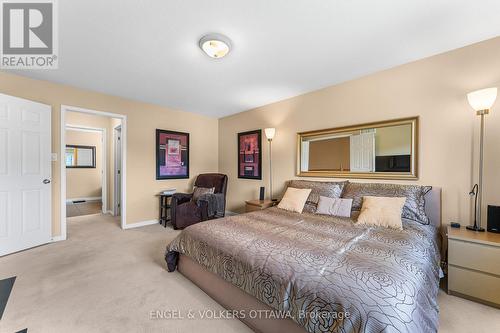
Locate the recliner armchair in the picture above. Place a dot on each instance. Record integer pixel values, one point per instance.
(185, 212)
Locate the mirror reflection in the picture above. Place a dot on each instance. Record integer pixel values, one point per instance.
(80, 156)
(384, 148)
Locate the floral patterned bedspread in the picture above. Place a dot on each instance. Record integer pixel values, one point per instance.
(326, 273)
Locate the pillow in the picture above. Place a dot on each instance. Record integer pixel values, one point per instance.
(199, 191)
(414, 208)
(327, 189)
(334, 206)
(294, 199)
(382, 211)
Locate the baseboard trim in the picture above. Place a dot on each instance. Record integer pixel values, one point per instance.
(58, 238)
(84, 199)
(110, 212)
(140, 224)
(230, 213)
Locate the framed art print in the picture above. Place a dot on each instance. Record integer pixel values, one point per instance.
(172, 155)
(249, 155)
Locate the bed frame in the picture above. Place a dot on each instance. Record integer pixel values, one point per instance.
(233, 298)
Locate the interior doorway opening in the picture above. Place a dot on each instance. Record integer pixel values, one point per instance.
(93, 164)
(86, 157)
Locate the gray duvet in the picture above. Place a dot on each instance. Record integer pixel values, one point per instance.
(326, 273)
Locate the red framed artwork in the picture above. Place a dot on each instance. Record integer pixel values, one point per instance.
(172, 155)
(250, 154)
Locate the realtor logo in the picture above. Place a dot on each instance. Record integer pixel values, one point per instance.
(29, 34)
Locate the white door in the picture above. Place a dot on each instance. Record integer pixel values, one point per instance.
(25, 171)
(118, 170)
(362, 150)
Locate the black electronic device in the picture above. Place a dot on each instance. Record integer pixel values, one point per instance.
(493, 219)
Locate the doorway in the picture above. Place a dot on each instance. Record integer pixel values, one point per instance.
(86, 158)
(108, 191)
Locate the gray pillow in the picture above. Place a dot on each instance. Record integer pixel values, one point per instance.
(334, 206)
(414, 208)
(199, 191)
(326, 189)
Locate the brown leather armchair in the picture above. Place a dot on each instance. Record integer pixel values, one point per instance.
(186, 212)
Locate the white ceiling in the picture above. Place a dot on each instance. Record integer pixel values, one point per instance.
(148, 50)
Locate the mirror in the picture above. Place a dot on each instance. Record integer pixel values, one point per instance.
(80, 156)
(383, 150)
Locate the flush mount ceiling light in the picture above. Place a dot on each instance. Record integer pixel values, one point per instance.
(215, 45)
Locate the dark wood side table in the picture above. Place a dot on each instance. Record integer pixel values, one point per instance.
(253, 205)
(165, 200)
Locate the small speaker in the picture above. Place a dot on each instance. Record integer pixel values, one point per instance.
(262, 192)
(494, 219)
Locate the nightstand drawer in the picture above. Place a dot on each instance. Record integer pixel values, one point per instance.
(475, 284)
(475, 256)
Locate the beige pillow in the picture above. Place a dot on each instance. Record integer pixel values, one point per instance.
(382, 211)
(294, 199)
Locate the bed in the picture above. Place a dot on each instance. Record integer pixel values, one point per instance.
(290, 272)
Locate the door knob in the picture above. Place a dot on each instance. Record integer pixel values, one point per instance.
(46, 181)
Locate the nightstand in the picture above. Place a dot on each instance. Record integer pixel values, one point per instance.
(253, 205)
(474, 265)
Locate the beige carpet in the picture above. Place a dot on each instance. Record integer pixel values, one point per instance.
(83, 208)
(104, 279)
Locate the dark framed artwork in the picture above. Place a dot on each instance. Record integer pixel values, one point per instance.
(250, 155)
(172, 155)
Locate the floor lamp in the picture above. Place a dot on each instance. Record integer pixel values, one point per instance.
(270, 132)
(481, 101)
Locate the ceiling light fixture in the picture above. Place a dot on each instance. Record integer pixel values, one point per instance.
(215, 45)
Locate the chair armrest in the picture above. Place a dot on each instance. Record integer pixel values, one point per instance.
(177, 200)
(180, 198)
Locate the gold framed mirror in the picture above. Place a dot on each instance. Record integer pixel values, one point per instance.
(379, 150)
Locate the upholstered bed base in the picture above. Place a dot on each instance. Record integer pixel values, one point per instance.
(233, 298)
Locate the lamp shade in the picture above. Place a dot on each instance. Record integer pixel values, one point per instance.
(270, 132)
(482, 99)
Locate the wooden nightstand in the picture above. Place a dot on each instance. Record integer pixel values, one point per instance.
(474, 265)
(253, 205)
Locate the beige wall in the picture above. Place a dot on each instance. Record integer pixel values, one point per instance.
(142, 120)
(84, 182)
(434, 89)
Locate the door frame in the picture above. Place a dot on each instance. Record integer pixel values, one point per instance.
(115, 183)
(123, 118)
(104, 155)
